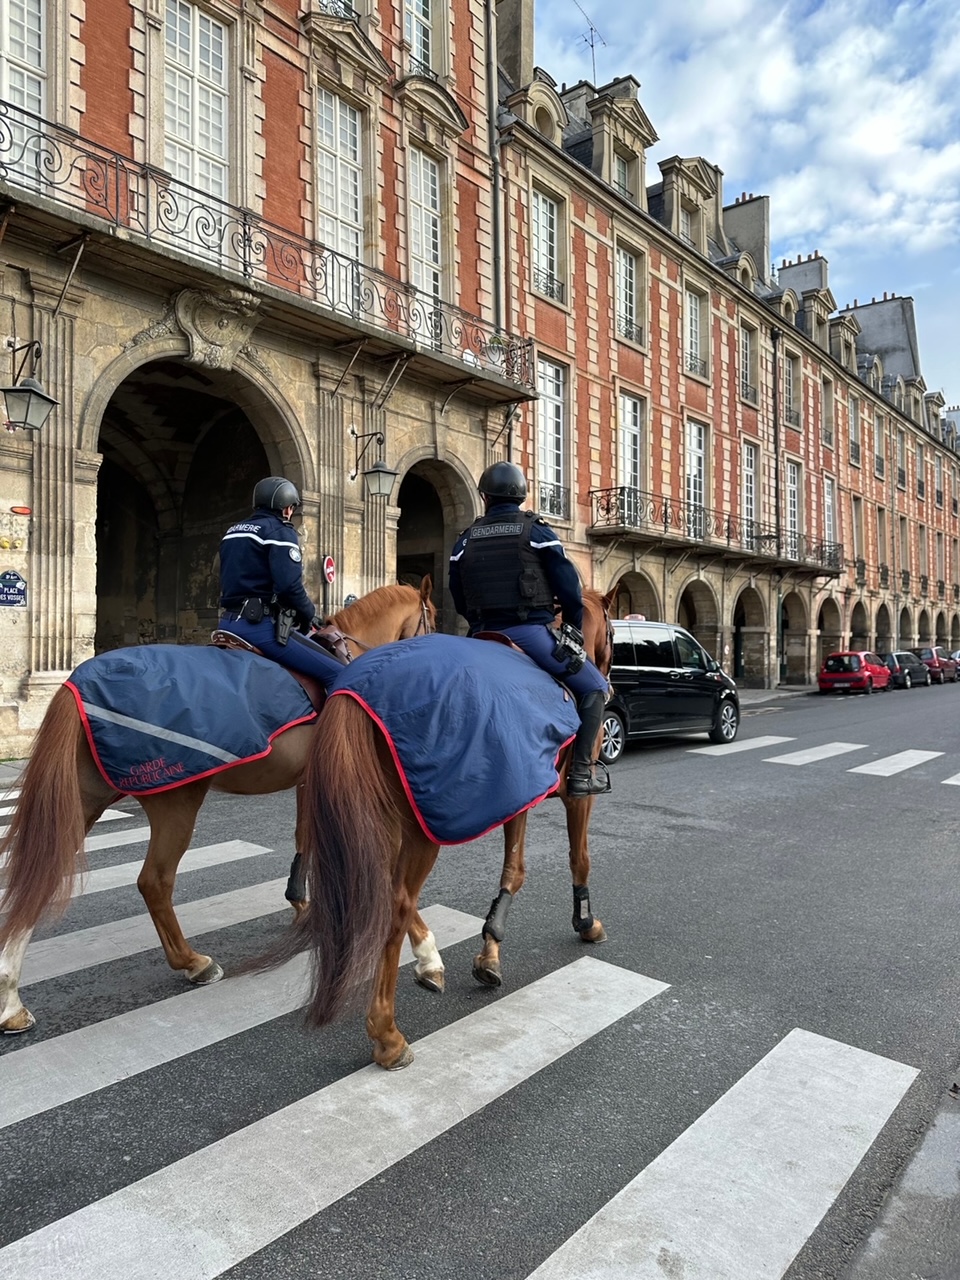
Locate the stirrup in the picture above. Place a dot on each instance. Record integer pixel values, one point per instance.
(588, 783)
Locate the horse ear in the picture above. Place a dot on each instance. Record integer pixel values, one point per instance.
(610, 598)
(426, 587)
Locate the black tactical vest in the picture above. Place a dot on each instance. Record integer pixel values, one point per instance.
(499, 571)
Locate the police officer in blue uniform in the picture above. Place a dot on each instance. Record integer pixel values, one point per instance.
(506, 573)
(261, 584)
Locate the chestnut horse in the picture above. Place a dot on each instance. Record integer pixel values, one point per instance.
(62, 794)
(366, 858)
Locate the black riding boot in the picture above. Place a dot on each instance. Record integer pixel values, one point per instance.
(581, 779)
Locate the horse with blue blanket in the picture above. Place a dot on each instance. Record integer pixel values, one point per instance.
(166, 724)
(420, 745)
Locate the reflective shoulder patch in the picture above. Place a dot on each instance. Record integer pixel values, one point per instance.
(295, 554)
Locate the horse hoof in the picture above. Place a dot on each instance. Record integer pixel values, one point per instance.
(597, 934)
(487, 975)
(20, 1022)
(431, 981)
(403, 1061)
(209, 973)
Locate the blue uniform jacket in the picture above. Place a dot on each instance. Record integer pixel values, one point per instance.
(561, 574)
(260, 558)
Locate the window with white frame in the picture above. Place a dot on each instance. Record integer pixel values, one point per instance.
(749, 495)
(791, 390)
(22, 54)
(954, 560)
(829, 509)
(941, 560)
(938, 481)
(882, 539)
(854, 433)
(695, 346)
(879, 446)
(924, 566)
(631, 440)
(828, 413)
(857, 528)
(418, 30)
(921, 473)
(901, 459)
(748, 363)
(689, 225)
(553, 495)
(696, 478)
(793, 511)
(624, 168)
(954, 493)
(546, 246)
(426, 253)
(629, 285)
(339, 175)
(196, 99)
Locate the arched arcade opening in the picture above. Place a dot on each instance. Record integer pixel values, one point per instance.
(436, 504)
(793, 639)
(637, 594)
(697, 611)
(830, 628)
(750, 640)
(884, 630)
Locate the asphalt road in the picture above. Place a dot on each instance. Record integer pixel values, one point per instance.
(729, 1087)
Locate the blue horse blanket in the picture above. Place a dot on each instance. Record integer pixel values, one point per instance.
(160, 715)
(475, 728)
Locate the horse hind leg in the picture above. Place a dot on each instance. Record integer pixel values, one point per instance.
(15, 1018)
(486, 966)
(586, 924)
(428, 971)
(172, 816)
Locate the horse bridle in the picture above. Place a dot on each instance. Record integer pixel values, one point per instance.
(340, 641)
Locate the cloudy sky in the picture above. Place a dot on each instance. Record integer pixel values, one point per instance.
(845, 112)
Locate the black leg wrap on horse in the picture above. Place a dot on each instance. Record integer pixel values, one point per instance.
(495, 924)
(582, 916)
(296, 890)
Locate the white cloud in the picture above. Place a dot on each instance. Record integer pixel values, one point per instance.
(846, 112)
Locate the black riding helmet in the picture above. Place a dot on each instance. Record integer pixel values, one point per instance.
(275, 493)
(503, 480)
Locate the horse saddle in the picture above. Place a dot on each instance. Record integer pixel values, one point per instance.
(312, 687)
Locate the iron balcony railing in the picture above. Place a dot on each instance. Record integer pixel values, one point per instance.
(938, 497)
(420, 68)
(827, 437)
(553, 500)
(626, 328)
(792, 417)
(39, 158)
(879, 465)
(546, 282)
(338, 9)
(748, 391)
(860, 571)
(855, 453)
(660, 515)
(921, 487)
(901, 477)
(696, 365)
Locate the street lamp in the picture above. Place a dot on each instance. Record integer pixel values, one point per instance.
(378, 477)
(27, 404)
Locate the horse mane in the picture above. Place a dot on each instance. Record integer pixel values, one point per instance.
(369, 606)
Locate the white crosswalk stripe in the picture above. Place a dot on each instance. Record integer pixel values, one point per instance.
(741, 744)
(890, 765)
(808, 755)
(772, 1152)
(884, 767)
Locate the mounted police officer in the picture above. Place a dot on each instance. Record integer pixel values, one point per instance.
(261, 583)
(506, 573)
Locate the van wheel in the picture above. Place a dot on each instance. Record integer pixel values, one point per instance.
(614, 737)
(727, 722)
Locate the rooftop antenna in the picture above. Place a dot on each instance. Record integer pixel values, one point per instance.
(591, 37)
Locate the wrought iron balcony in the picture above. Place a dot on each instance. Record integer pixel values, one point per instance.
(42, 159)
(938, 497)
(921, 487)
(748, 391)
(417, 67)
(855, 453)
(792, 417)
(695, 365)
(337, 9)
(663, 519)
(879, 465)
(553, 500)
(627, 329)
(901, 477)
(546, 282)
(827, 437)
(884, 576)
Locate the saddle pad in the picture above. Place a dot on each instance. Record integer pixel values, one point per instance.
(475, 728)
(160, 715)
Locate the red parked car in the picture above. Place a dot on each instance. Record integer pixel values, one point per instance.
(942, 666)
(857, 671)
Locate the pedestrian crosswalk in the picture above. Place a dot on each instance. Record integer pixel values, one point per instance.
(883, 766)
(737, 1193)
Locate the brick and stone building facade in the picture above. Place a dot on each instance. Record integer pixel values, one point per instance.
(248, 237)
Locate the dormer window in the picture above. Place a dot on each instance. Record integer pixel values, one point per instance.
(688, 225)
(545, 124)
(623, 174)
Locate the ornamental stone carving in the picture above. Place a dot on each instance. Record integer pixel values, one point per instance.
(217, 324)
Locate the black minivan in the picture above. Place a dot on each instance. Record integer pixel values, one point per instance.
(664, 682)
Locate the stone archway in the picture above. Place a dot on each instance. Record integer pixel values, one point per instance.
(830, 628)
(884, 630)
(182, 448)
(859, 627)
(697, 611)
(924, 628)
(955, 633)
(751, 640)
(435, 503)
(794, 648)
(905, 629)
(637, 594)
(942, 636)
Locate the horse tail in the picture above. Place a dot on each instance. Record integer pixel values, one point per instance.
(352, 826)
(44, 842)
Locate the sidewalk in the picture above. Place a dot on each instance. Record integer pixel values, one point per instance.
(753, 697)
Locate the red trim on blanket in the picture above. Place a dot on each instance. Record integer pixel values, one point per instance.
(350, 693)
(181, 782)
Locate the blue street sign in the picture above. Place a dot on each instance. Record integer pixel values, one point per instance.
(13, 589)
